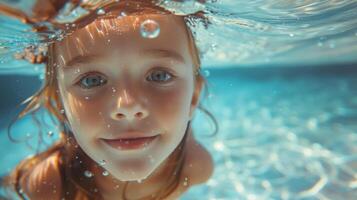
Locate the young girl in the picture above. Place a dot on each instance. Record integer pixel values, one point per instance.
(124, 84)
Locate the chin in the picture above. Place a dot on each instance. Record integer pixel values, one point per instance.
(132, 176)
(132, 171)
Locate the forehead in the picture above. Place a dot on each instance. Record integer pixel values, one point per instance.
(124, 36)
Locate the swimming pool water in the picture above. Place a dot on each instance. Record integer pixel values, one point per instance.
(283, 83)
(284, 134)
(240, 34)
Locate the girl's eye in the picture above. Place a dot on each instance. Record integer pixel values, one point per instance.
(90, 81)
(159, 76)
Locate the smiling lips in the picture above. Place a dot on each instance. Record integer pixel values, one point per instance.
(130, 143)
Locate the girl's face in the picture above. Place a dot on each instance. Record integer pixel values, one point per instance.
(116, 84)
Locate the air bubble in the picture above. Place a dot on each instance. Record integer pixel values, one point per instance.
(122, 14)
(149, 29)
(50, 133)
(185, 182)
(102, 162)
(206, 73)
(105, 173)
(214, 47)
(100, 11)
(88, 174)
(87, 98)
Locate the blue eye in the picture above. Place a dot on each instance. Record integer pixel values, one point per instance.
(90, 81)
(159, 76)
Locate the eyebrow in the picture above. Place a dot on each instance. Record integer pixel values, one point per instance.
(162, 53)
(82, 59)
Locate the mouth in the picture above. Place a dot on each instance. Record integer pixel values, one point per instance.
(130, 143)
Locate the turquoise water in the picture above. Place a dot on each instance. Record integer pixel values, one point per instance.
(283, 88)
(241, 33)
(284, 133)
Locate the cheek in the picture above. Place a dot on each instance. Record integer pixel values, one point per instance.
(168, 106)
(84, 115)
(171, 105)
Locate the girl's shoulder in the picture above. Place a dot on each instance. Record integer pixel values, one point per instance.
(198, 168)
(199, 164)
(43, 180)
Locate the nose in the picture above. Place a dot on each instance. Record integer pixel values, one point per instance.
(127, 108)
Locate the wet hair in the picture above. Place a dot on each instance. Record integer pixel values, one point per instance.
(72, 160)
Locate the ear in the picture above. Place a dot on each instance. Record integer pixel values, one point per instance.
(196, 96)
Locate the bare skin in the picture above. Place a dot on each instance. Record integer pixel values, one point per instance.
(46, 178)
(127, 100)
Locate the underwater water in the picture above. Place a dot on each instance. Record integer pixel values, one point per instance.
(283, 83)
(284, 133)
